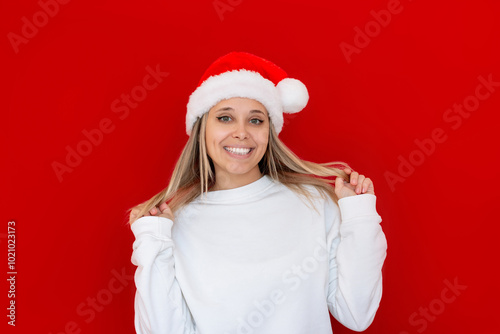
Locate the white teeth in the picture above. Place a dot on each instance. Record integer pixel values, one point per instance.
(240, 151)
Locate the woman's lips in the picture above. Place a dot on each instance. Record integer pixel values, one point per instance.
(238, 152)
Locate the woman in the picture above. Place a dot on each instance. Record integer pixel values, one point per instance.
(247, 237)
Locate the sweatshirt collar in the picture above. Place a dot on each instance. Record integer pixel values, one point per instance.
(239, 193)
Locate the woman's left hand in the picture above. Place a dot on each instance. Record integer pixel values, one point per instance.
(357, 185)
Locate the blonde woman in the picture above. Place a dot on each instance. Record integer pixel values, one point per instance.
(247, 237)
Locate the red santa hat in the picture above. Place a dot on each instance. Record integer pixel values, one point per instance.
(241, 74)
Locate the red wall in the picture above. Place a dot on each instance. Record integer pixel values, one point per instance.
(397, 89)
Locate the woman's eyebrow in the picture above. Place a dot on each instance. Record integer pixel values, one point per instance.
(253, 111)
(224, 109)
(256, 111)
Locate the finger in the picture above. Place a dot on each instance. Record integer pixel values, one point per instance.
(153, 211)
(366, 184)
(348, 170)
(354, 178)
(369, 186)
(339, 184)
(163, 207)
(359, 186)
(166, 211)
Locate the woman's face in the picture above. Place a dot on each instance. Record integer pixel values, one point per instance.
(237, 133)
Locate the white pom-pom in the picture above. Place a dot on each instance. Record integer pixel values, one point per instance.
(293, 94)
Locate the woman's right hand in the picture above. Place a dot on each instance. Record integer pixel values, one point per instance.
(162, 211)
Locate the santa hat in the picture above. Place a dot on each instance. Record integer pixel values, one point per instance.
(241, 74)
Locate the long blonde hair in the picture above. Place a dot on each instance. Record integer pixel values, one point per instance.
(194, 172)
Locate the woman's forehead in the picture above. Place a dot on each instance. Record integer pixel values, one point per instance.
(239, 104)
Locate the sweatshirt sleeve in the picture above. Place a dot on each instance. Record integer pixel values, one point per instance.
(357, 253)
(159, 305)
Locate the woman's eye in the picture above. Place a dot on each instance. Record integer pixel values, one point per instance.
(226, 119)
(258, 121)
(223, 118)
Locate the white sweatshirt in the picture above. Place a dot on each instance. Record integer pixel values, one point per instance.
(257, 259)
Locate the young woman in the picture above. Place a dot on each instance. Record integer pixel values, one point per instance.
(247, 237)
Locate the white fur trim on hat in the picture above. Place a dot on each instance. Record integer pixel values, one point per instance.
(236, 83)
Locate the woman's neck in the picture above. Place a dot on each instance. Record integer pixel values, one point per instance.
(225, 183)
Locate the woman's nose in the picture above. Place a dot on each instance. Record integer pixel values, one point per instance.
(240, 130)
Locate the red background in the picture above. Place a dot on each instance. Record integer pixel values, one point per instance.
(367, 109)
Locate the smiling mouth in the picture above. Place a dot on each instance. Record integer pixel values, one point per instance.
(239, 151)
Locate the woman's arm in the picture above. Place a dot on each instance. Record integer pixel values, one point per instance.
(357, 252)
(160, 307)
